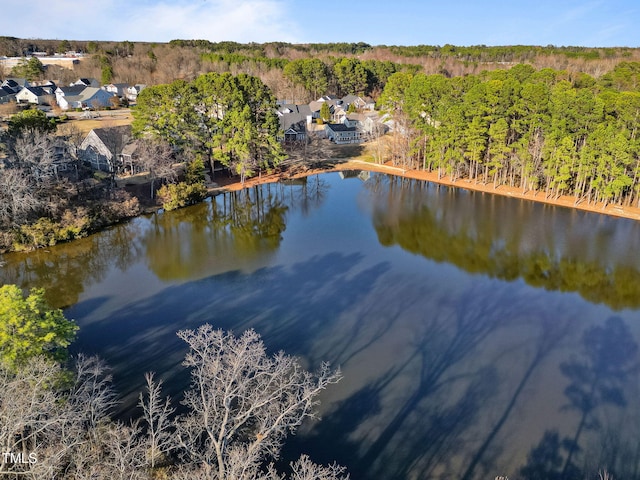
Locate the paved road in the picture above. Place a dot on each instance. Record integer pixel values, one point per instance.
(121, 113)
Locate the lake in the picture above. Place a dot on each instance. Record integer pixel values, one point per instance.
(478, 335)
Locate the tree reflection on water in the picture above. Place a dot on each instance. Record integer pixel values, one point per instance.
(456, 365)
(489, 236)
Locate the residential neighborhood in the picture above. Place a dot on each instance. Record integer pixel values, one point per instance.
(297, 122)
(85, 93)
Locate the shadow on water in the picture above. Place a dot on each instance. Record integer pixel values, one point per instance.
(597, 379)
(448, 372)
(425, 413)
(288, 307)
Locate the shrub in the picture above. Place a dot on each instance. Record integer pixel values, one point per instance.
(46, 232)
(178, 195)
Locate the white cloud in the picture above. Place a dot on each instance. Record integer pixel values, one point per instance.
(242, 21)
(215, 20)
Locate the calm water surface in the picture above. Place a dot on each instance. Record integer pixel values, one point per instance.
(478, 335)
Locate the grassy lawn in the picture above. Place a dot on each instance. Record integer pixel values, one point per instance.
(86, 125)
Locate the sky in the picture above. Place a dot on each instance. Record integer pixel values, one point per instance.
(590, 23)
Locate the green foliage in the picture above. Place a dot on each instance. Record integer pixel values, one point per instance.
(64, 46)
(107, 74)
(325, 112)
(31, 69)
(92, 47)
(624, 77)
(29, 121)
(238, 59)
(235, 122)
(195, 173)
(46, 232)
(351, 76)
(178, 195)
(525, 128)
(29, 327)
(311, 73)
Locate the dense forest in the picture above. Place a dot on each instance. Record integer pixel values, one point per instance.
(156, 63)
(545, 130)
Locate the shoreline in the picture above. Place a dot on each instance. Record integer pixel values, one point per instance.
(629, 212)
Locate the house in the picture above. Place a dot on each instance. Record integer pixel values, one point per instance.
(16, 84)
(33, 95)
(63, 94)
(127, 158)
(47, 85)
(132, 92)
(293, 121)
(83, 97)
(368, 124)
(103, 148)
(6, 95)
(62, 160)
(119, 89)
(87, 82)
(339, 114)
(330, 100)
(359, 103)
(296, 132)
(340, 133)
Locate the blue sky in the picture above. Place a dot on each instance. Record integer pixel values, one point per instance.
(389, 22)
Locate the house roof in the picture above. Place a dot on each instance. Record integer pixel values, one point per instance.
(292, 115)
(19, 82)
(105, 133)
(6, 91)
(349, 99)
(130, 148)
(340, 127)
(89, 93)
(37, 91)
(71, 91)
(358, 117)
(88, 82)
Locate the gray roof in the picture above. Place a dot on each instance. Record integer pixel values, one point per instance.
(295, 116)
(340, 127)
(105, 134)
(6, 91)
(71, 91)
(38, 91)
(87, 82)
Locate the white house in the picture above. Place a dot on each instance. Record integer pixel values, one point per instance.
(133, 91)
(34, 95)
(88, 97)
(118, 89)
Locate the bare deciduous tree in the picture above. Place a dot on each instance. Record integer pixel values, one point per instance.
(35, 152)
(242, 402)
(305, 469)
(17, 195)
(157, 413)
(156, 158)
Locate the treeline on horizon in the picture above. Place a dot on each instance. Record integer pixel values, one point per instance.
(542, 130)
(154, 63)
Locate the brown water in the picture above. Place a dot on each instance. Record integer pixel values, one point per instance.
(478, 335)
